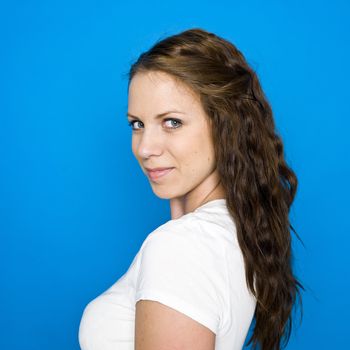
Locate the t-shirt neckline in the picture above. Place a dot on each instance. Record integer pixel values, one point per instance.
(220, 201)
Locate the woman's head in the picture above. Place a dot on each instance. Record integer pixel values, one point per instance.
(179, 139)
(240, 142)
(218, 80)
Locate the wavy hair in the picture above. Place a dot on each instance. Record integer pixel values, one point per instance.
(259, 185)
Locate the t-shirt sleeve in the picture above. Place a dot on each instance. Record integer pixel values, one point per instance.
(185, 271)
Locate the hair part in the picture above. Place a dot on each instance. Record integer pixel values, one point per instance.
(259, 185)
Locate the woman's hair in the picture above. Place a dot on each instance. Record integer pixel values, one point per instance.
(259, 185)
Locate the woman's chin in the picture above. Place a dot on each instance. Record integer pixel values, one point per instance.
(163, 192)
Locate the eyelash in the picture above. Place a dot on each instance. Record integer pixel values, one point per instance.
(131, 123)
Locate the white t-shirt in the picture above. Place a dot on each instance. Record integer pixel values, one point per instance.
(192, 264)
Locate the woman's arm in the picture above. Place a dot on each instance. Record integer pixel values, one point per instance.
(159, 327)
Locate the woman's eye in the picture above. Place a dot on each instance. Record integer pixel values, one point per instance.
(174, 123)
(131, 123)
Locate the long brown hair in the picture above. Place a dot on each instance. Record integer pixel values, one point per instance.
(259, 185)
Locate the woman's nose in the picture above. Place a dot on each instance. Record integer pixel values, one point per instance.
(150, 144)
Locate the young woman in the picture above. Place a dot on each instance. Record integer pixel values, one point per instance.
(203, 133)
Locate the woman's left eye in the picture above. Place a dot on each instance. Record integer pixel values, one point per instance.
(177, 123)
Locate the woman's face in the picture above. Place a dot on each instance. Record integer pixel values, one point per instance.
(179, 138)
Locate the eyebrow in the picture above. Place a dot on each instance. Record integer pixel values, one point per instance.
(157, 116)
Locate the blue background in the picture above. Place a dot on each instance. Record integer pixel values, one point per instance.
(74, 205)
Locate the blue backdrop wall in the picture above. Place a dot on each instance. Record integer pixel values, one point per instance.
(74, 205)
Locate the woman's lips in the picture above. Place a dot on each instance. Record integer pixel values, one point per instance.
(156, 174)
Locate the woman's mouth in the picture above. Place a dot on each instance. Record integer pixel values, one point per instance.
(156, 174)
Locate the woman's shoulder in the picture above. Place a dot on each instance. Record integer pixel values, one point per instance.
(203, 227)
(187, 245)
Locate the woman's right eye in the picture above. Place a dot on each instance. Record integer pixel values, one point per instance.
(131, 123)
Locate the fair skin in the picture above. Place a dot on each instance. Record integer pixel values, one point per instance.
(185, 144)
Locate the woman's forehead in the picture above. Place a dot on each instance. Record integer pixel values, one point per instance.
(156, 92)
(159, 82)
